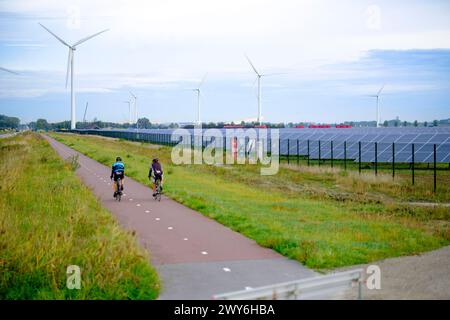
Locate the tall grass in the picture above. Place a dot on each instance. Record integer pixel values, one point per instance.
(321, 218)
(49, 220)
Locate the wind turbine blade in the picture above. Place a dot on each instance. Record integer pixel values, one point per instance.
(87, 38)
(379, 92)
(61, 40)
(202, 81)
(69, 60)
(254, 69)
(273, 74)
(85, 110)
(7, 70)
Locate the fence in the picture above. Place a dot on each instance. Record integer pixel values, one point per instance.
(362, 155)
(321, 287)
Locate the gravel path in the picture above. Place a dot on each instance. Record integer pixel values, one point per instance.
(425, 276)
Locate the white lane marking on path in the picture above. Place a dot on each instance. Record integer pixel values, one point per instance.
(157, 219)
(170, 228)
(138, 205)
(185, 239)
(147, 211)
(227, 269)
(130, 199)
(248, 288)
(204, 253)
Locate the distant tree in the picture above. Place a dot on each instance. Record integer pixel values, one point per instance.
(32, 125)
(385, 123)
(144, 123)
(416, 123)
(405, 123)
(42, 124)
(63, 125)
(425, 124)
(9, 122)
(435, 123)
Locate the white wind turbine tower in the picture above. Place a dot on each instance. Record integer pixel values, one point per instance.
(129, 111)
(135, 112)
(199, 121)
(70, 67)
(135, 107)
(377, 96)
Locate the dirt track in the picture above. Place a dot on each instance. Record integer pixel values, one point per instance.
(425, 276)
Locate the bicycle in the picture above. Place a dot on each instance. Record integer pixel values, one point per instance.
(119, 190)
(158, 191)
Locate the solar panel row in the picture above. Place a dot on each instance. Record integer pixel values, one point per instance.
(345, 142)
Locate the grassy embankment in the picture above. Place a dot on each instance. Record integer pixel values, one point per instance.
(50, 220)
(323, 218)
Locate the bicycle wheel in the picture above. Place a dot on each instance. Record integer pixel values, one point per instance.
(119, 192)
(157, 190)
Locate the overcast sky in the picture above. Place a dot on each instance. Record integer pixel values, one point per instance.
(333, 54)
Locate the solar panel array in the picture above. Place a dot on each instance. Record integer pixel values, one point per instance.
(389, 143)
(335, 143)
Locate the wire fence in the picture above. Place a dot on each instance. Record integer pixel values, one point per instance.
(347, 155)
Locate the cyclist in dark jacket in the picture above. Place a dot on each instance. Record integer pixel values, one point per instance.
(158, 174)
(118, 171)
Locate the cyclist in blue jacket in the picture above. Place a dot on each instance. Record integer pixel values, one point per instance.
(118, 171)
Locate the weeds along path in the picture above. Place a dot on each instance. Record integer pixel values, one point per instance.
(49, 221)
(195, 256)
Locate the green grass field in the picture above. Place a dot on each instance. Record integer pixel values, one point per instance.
(322, 218)
(50, 220)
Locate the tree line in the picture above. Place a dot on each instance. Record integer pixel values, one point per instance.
(144, 123)
(9, 122)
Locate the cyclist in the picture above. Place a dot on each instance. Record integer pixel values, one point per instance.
(158, 174)
(118, 171)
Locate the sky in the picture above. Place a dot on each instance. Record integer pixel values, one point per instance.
(327, 57)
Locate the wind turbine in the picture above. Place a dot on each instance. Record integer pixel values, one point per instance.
(135, 105)
(135, 112)
(70, 67)
(377, 96)
(7, 70)
(198, 99)
(259, 76)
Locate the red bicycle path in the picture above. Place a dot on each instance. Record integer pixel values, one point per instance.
(195, 256)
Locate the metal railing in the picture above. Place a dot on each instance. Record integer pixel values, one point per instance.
(320, 287)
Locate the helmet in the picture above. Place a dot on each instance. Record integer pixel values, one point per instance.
(155, 160)
(118, 159)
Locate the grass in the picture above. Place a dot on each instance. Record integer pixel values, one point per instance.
(50, 220)
(400, 188)
(322, 218)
